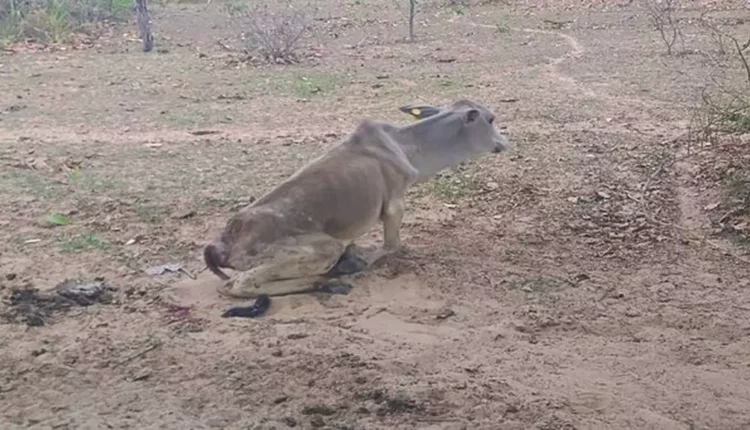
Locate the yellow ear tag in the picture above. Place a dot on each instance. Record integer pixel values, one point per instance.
(416, 113)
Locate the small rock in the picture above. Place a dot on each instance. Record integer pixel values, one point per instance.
(581, 277)
(317, 421)
(711, 206)
(184, 214)
(319, 409)
(709, 280)
(295, 336)
(289, 421)
(10, 276)
(445, 313)
(34, 320)
(37, 164)
(492, 186)
(632, 313)
(663, 288)
(38, 352)
(280, 400)
(142, 375)
(277, 353)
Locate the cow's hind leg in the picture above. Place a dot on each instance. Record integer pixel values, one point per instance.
(293, 266)
(348, 263)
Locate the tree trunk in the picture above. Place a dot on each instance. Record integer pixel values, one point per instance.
(141, 11)
(412, 5)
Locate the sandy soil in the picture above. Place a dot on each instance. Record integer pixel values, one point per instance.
(574, 284)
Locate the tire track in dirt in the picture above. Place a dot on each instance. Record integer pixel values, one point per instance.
(577, 50)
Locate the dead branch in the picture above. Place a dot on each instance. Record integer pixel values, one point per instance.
(742, 57)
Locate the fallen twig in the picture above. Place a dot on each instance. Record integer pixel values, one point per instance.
(224, 45)
(144, 351)
(742, 57)
(187, 272)
(727, 252)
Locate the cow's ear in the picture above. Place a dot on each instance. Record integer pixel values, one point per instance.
(419, 112)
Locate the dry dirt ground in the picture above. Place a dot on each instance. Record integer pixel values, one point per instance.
(573, 284)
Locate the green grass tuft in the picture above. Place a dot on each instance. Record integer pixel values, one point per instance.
(83, 243)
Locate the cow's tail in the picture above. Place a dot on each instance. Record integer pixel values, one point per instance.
(215, 259)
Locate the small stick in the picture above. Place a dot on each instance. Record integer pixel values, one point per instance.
(151, 347)
(727, 252)
(185, 271)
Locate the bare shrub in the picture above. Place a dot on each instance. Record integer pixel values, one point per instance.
(722, 38)
(663, 17)
(725, 108)
(721, 126)
(274, 35)
(714, 31)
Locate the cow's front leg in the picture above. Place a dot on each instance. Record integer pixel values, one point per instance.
(391, 218)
